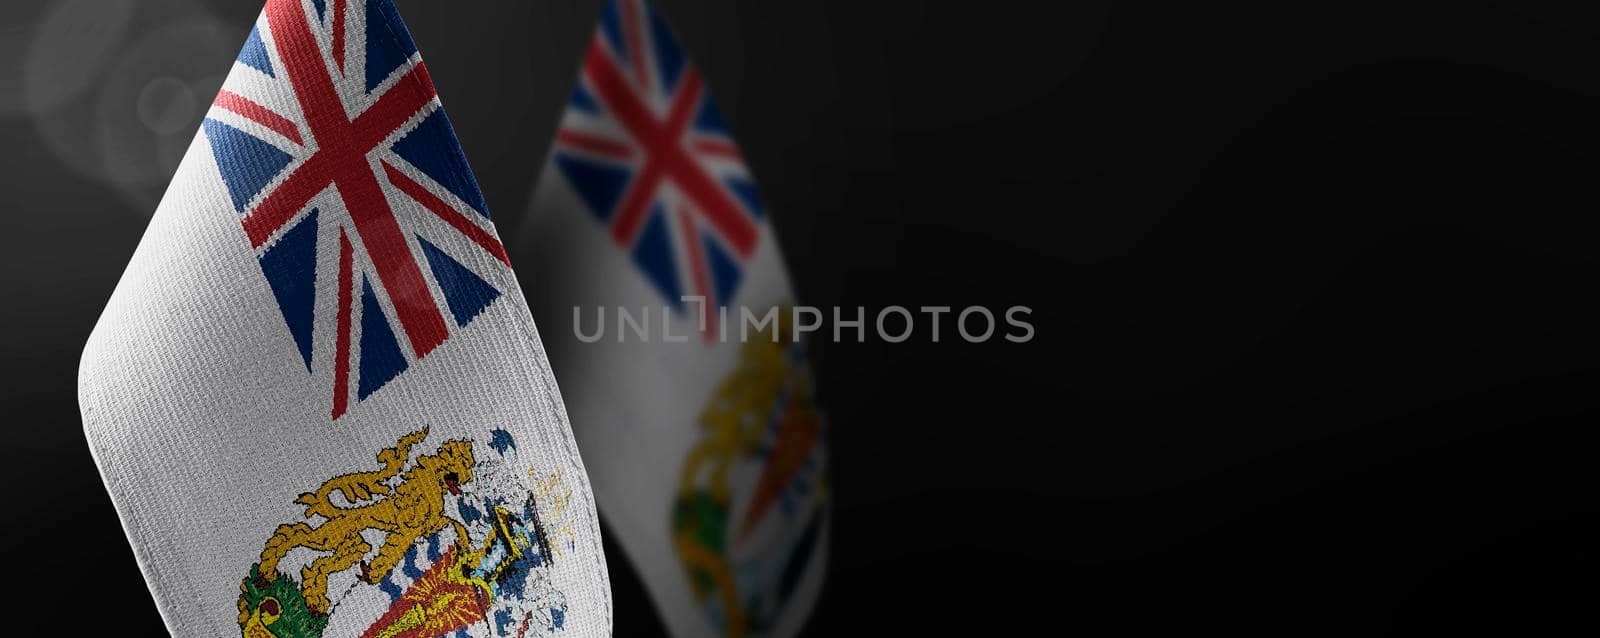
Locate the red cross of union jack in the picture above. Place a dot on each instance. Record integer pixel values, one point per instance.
(643, 145)
(330, 124)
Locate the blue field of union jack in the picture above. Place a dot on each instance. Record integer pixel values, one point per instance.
(353, 191)
(644, 147)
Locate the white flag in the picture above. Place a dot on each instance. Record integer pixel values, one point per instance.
(705, 445)
(317, 397)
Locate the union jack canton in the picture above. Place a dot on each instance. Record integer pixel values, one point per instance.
(645, 148)
(352, 190)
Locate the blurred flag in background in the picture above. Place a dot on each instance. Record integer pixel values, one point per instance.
(705, 445)
(317, 397)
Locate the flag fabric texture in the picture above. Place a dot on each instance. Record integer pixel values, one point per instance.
(317, 397)
(705, 445)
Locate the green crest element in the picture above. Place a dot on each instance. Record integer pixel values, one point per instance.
(277, 608)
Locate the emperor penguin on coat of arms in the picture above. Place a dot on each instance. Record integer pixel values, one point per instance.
(466, 549)
(752, 495)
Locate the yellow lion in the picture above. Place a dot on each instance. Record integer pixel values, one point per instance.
(415, 509)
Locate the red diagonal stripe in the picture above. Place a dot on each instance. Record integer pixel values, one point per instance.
(446, 212)
(635, 203)
(594, 144)
(341, 347)
(613, 89)
(259, 114)
(338, 34)
(288, 199)
(717, 148)
(408, 96)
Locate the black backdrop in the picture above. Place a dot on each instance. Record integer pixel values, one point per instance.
(1315, 353)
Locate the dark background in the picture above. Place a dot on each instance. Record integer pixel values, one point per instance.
(1313, 286)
